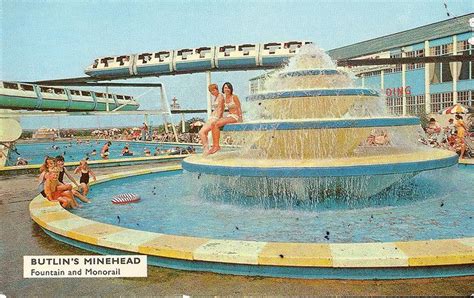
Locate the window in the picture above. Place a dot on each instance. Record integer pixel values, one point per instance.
(395, 105)
(47, 89)
(86, 93)
(466, 98)
(227, 50)
(254, 87)
(26, 87)
(419, 53)
(162, 55)
(58, 91)
(467, 67)
(442, 71)
(10, 85)
(203, 51)
(415, 104)
(185, 53)
(372, 73)
(440, 101)
(397, 67)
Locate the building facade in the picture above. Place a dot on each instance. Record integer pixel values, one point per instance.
(412, 89)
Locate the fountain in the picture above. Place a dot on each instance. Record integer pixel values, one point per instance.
(302, 139)
(334, 206)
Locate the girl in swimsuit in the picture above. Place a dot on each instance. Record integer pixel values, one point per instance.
(218, 110)
(85, 171)
(49, 163)
(68, 187)
(232, 103)
(54, 194)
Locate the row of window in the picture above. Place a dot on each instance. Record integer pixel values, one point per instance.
(443, 73)
(439, 72)
(415, 104)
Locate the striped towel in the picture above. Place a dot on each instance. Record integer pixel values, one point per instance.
(125, 198)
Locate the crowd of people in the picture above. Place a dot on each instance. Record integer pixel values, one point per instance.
(126, 134)
(454, 136)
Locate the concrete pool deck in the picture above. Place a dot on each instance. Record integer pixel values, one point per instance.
(387, 260)
(27, 238)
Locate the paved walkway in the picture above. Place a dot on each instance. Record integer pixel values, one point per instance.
(21, 236)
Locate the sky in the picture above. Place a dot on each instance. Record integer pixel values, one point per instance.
(44, 40)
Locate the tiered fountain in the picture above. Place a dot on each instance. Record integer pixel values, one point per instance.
(304, 139)
(302, 147)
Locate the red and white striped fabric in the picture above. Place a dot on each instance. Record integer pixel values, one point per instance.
(125, 198)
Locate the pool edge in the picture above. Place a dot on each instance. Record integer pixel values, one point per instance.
(317, 260)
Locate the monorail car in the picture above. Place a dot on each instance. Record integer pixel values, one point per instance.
(22, 96)
(227, 57)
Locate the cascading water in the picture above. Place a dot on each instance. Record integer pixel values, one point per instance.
(307, 137)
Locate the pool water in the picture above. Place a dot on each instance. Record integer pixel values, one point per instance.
(432, 205)
(72, 151)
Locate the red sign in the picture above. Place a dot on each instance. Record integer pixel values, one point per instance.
(400, 91)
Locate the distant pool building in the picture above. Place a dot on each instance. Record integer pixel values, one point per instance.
(415, 88)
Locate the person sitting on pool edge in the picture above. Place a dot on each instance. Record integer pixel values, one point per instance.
(232, 104)
(85, 171)
(54, 194)
(217, 103)
(66, 186)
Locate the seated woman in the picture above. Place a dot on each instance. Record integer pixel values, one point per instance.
(433, 127)
(232, 103)
(218, 110)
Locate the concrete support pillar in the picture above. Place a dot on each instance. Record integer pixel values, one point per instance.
(455, 71)
(404, 97)
(427, 80)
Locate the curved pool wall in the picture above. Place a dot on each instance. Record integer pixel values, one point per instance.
(34, 169)
(386, 260)
(35, 152)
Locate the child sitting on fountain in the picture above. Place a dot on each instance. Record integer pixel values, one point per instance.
(232, 103)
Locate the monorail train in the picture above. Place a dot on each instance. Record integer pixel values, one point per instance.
(22, 96)
(228, 57)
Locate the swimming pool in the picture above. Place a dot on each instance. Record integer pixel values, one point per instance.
(432, 205)
(73, 151)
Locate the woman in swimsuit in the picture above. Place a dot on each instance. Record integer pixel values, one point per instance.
(85, 171)
(232, 103)
(218, 110)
